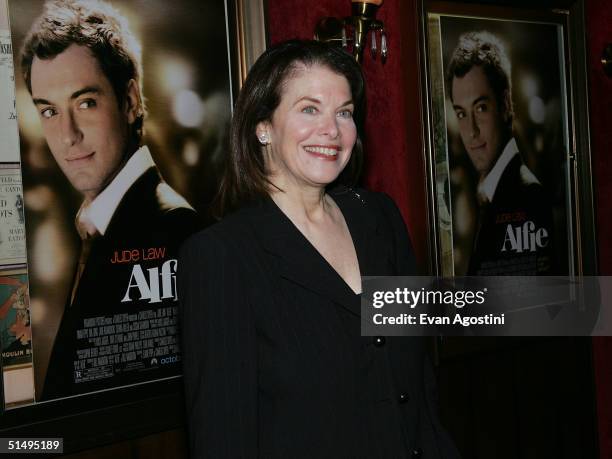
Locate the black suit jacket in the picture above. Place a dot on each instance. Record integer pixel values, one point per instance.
(519, 200)
(274, 364)
(151, 215)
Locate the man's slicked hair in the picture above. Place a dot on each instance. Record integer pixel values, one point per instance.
(103, 30)
(485, 50)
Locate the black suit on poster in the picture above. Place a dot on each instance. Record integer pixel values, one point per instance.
(519, 199)
(274, 364)
(150, 215)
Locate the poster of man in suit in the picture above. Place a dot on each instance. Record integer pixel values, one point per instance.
(121, 122)
(506, 143)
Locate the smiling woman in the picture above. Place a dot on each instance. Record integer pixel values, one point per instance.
(312, 132)
(274, 362)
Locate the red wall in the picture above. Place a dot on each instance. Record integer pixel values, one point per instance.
(394, 155)
(599, 32)
(394, 137)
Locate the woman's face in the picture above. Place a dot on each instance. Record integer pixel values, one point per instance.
(312, 132)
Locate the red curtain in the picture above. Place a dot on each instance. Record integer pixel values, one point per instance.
(599, 33)
(394, 145)
(394, 151)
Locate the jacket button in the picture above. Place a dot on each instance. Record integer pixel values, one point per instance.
(403, 398)
(417, 453)
(379, 341)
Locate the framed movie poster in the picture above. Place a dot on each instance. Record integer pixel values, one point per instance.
(508, 148)
(123, 109)
(9, 149)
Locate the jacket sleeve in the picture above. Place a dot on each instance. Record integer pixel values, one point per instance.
(219, 350)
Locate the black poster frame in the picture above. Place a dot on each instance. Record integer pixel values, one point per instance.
(569, 14)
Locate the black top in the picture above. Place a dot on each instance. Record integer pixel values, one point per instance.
(274, 364)
(151, 215)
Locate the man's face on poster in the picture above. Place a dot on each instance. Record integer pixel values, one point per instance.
(481, 120)
(83, 124)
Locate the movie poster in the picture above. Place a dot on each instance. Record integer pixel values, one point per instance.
(16, 338)
(15, 330)
(501, 145)
(9, 147)
(12, 220)
(117, 172)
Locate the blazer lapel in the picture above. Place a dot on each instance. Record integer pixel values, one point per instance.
(297, 260)
(363, 224)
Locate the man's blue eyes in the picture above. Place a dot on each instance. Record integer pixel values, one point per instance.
(83, 105)
(87, 103)
(482, 108)
(47, 113)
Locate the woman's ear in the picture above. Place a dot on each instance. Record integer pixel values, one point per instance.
(262, 131)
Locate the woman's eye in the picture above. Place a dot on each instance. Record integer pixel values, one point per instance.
(345, 114)
(481, 108)
(309, 109)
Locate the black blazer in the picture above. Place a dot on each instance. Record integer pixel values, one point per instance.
(519, 198)
(274, 364)
(150, 215)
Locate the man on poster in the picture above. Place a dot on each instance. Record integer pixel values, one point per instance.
(82, 67)
(514, 229)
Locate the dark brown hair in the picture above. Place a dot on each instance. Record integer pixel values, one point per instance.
(485, 50)
(103, 31)
(245, 179)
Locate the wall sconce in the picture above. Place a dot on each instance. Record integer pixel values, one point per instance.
(354, 29)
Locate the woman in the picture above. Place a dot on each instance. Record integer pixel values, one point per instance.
(273, 359)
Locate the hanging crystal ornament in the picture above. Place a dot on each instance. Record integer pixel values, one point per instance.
(352, 31)
(373, 47)
(383, 45)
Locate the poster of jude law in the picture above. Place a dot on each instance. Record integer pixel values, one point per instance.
(501, 118)
(123, 108)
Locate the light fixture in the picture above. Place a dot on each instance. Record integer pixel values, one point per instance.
(352, 32)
